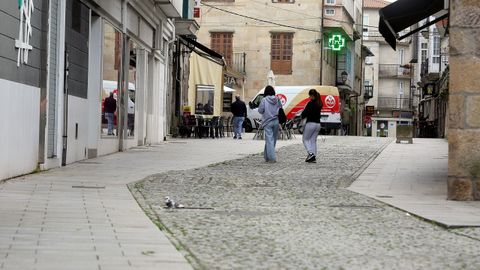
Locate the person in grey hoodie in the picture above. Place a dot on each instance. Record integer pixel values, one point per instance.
(268, 108)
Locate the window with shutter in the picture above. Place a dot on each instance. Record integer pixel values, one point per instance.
(221, 42)
(281, 53)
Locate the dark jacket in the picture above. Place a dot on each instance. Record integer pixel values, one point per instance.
(239, 109)
(312, 112)
(110, 105)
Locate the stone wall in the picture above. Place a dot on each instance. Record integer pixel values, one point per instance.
(254, 38)
(464, 107)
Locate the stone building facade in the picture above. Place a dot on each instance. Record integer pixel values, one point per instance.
(290, 38)
(298, 59)
(464, 101)
(389, 74)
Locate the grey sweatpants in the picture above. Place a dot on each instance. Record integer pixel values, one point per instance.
(310, 134)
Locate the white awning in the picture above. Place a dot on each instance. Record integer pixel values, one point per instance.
(227, 89)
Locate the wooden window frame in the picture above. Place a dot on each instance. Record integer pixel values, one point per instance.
(222, 43)
(281, 53)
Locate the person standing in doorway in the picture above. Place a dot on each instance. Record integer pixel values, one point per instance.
(239, 111)
(312, 112)
(110, 106)
(268, 108)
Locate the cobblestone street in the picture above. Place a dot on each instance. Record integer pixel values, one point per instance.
(293, 215)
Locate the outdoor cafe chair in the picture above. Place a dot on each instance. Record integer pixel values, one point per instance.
(259, 134)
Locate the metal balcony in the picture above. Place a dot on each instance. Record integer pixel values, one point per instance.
(393, 71)
(393, 103)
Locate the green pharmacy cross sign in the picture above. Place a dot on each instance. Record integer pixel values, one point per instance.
(336, 42)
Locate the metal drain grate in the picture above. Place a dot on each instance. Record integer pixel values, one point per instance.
(90, 187)
(89, 162)
(384, 196)
(352, 206)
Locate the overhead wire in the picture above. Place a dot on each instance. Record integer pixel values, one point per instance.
(262, 20)
(281, 24)
(312, 16)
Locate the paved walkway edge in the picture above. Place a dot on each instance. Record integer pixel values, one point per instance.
(412, 178)
(367, 163)
(153, 216)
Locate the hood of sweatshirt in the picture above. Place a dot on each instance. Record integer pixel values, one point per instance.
(272, 99)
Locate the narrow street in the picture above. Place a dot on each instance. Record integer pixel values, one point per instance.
(248, 214)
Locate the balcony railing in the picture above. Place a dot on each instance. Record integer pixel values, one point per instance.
(393, 71)
(394, 103)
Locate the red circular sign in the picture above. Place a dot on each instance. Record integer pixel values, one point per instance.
(330, 101)
(282, 98)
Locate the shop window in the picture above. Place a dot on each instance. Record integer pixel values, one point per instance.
(227, 101)
(281, 53)
(204, 101)
(221, 42)
(111, 54)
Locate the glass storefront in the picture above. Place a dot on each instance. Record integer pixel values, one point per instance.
(111, 56)
(111, 104)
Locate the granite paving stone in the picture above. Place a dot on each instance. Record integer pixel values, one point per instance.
(248, 214)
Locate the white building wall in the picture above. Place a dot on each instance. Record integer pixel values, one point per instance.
(388, 87)
(19, 136)
(77, 140)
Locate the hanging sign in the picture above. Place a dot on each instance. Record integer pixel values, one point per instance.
(196, 9)
(25, 32)
(336, 42)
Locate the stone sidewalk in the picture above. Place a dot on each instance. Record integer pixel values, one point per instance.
(413, 177)
(83, 216)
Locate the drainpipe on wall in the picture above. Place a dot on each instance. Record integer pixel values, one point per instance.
(321, 44)
(122, 116)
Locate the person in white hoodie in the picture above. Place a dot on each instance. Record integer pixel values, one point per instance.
(268, 108)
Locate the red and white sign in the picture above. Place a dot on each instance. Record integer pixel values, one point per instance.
(196, 12)
(196, 9)
(282, 98)
(330, 101)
